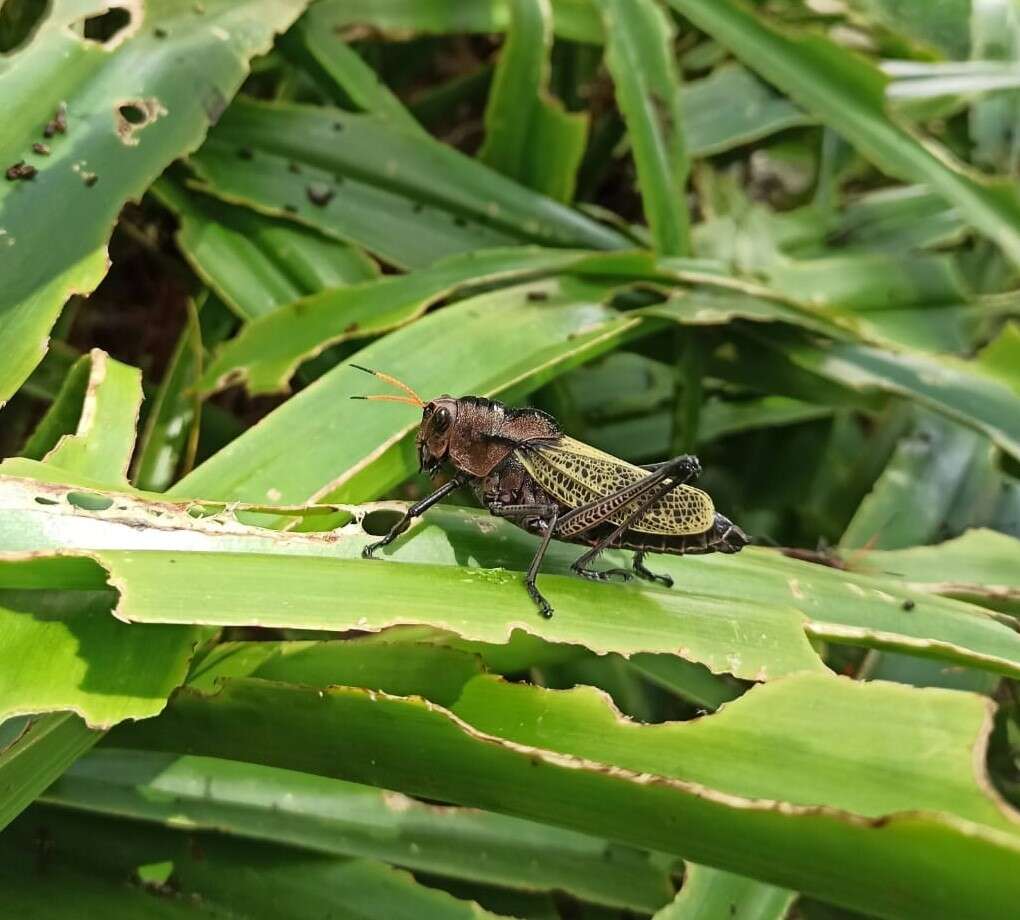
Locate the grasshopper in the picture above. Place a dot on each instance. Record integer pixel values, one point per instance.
(522, 467)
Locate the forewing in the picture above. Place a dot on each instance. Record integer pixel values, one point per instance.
(576, 474)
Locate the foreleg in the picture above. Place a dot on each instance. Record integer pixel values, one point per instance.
(416, 510)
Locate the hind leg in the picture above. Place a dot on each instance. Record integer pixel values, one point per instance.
(580, 567)
(648, 575)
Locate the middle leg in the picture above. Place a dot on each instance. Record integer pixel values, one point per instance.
(547, 515)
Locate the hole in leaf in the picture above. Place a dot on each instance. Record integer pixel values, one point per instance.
(133, 114)
(378, 523)
(105, 27)
(156, 874)
(18, 21)
(89, 501)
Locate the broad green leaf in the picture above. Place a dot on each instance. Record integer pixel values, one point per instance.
(822, 851)
(905, 217)
(847, 92)
(316, 44)
(329, 816)
(528, 135)
(737, 751)
(995, 36)
(504, 342)
(713, 893)
(25, 325)
(709, 308)
(169, 439)
(904, 750)
(210, 875)
(131, 108)
(267, 352)
(90, 427)
(940, 24)
(576, 20)
(45, 747)
(254, 262)
(418, 201)
(713, 124)
(63, 650)
(981, 566)
(243, 589)
(983, 394)
(640, 57)
(756, 630)
(940, 479)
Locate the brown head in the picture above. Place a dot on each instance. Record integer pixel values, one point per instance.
(453, 430)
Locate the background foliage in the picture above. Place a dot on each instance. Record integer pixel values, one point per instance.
(784, 235)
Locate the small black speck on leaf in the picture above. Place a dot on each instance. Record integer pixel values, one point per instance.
(351, 327)
(460, 222)
(159, 32)
(245, 153)
(338, 126)
(42, 149)
(908, 604)
(20, 170)
(294, 167)
(89, 178)
(319, 194)
(537, 296)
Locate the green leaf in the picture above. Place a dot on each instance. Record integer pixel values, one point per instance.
(186, 562)
(64, 651)
(169, 439)
(822, 851)
(98, 865)
(329, 816)
(316, 44)
(528, 136)
(995, 34)
(981, 566)
(847, 92)
(503, 342)
(44, 261)
(983, 394)
(420, 201)
(640, 57)
(713, 893)
(940, 24)
(713, 124)
(771, 744)
(576, 20)
(939, 480)
(267, 352)
(256, 263)
(104, 396)
(45, 747)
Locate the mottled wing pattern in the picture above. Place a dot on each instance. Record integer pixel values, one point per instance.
(575, 473)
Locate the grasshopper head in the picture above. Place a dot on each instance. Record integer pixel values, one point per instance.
(438, 421)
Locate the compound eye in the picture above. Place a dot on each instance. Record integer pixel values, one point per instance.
(441, 419)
